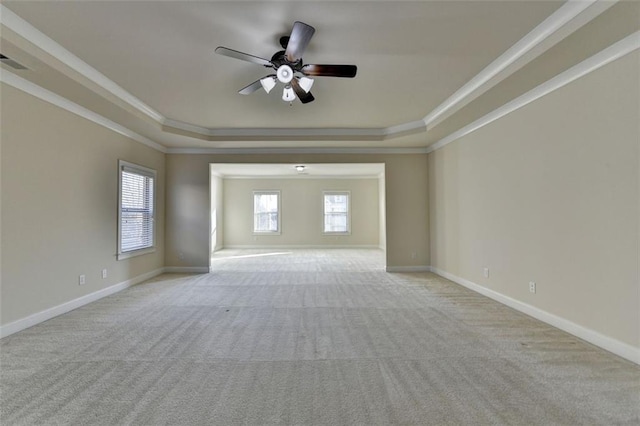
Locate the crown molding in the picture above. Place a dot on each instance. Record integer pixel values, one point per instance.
(600, 59)
(327, 150)
(562, 16)
(35, 36)
(548, 27)
(26, 86)
(181, 125)
(610, 54)
(258, 133)
(405, 129)
(280, 133)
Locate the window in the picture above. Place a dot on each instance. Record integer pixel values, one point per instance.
(136, 210)
(336, 212)
(266, 212)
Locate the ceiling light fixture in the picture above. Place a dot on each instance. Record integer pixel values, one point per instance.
(268, 83)
(300, 168)
(288, 95)
(306, 83)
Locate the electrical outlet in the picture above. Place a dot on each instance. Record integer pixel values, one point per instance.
(82, 280)
(104, 273)
(486, 272)
(532, 287)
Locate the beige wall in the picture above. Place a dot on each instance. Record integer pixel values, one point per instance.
(301, 212)
(217, 214)
(59, 205)
(188, 203)
(550, 193)
(382, 212)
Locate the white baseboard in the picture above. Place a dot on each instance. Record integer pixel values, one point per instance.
(186, 269)
(615, 346)
(420, 268)
(47, 314)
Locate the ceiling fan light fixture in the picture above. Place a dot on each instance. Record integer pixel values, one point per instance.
(288, 95)
(285, 74)
(289, 68)
(268, 83)
(306, 83)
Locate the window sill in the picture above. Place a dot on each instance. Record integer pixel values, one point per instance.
(266, 233)
(129, 254)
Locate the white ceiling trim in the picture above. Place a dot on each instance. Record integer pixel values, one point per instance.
(327, 150)
(413, 126)
(274, 132)
(35, 36)
(546, 28)
(181, 125)
(613, 52)
(39, 92)
(549, 26)
(21, 27)
(289, 133)
(299, 132)
(600, 59)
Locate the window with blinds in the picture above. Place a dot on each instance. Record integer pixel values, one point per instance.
(337, 218)
(136, 212)
(266, 212)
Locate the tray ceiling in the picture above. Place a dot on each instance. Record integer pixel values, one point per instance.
(411, 57)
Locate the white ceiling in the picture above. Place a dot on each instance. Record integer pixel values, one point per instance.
(411, 57)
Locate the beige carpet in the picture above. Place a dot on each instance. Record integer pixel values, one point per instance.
(308, 337)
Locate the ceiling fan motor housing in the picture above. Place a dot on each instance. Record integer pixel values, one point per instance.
(285, 74)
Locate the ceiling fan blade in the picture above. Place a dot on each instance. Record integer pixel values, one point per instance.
(250, 88)
(347, 71)
(305, 97)
(242, 56)
(298, 41)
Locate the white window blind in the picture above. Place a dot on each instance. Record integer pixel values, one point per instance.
(336, 212)
(266, 214)
(136, 209)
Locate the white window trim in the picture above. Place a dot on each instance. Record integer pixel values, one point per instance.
(253, 211)
(142, 170)
(348, 194)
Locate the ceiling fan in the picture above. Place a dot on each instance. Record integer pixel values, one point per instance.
(290, 70)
